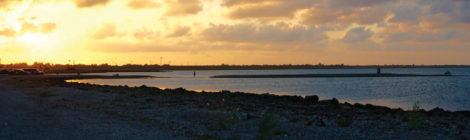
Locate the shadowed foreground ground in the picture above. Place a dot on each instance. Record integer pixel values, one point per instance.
(24, 115)
(45, 107)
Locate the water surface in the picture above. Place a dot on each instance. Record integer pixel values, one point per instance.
(451, 93)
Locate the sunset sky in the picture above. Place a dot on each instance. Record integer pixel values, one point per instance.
(199, 32)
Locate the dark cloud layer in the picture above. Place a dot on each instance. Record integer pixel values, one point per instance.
(144, 33)
(357, 3)
(358, 34)
(142, 4)
(265, 8)
(363, 12)
(182, 7)
(268, 33)
(105, 31)
(90, 3)
(180, 31)
(280, 36)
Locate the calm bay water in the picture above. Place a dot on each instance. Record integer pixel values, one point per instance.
(450, 93)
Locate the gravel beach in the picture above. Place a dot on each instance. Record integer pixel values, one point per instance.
(46, 107)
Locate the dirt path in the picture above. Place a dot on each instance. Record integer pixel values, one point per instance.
(21, 117)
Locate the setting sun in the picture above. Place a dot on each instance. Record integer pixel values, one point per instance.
(34, 39)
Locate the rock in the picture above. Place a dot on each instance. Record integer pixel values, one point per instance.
(308, 123)
(321, 123)
(358, 105)
(362, 111)
(248, 116)
(344, 122)
(180, 90)
(148, 100)
(293, 120)
(397, 111)
(311, 99)
(287, 98)
(437, 110)
(346, 107)
(225, 92)
(369, 107)
(334, 101)
(463, 113)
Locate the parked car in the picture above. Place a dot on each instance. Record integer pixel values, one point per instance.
(4, 72)
(18, 72)
(33, 72)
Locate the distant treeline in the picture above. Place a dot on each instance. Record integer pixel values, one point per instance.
(82, 68)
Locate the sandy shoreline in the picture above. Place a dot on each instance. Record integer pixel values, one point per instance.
(81, 111)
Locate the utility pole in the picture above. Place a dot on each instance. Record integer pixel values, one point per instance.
(161, 60)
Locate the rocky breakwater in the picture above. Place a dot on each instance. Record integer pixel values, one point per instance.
(239, 115)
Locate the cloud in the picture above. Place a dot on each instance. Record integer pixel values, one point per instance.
(48, 27)
(436, 13)
(357, 35)
(230, 3)
(7, 32)
(418, 35)
(277, 36)
(90, 3)
(409, 13)
(142, 4)
(319, 16)
(7, 3)
(222, 37)
(357, 3)
(362, 12)
(320, 8)
(363, 16)
(180, 31)
(126, 47)
(30, 27)
(182, 7)
(105, 31)
(459, 10)
(144, 33)
(267, 8)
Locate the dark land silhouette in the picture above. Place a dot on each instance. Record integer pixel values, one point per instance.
(92, 68)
